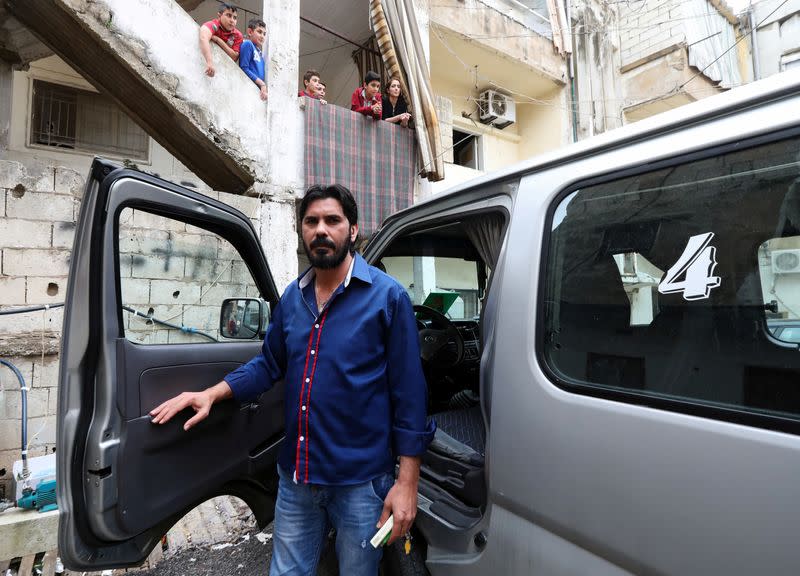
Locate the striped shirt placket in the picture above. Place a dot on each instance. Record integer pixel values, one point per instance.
(308, 378)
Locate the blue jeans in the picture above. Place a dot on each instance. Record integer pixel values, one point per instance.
(304, 514)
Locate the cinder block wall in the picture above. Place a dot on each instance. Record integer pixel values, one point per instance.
(173, 271)
(647, 26)
(39, 207)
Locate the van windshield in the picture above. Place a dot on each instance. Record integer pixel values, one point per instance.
(448, 285)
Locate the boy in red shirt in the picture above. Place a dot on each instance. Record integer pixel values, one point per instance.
(222, 31)
(312, 86)
(366, 99)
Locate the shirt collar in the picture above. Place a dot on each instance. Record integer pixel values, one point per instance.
(358, 268)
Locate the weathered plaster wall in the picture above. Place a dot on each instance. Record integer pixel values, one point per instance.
(651, 87)
(6, 79)
(544, 127)
(598, 89)
(778, 36)
(170, 41)
(488, 28)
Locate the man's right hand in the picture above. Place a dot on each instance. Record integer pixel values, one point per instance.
(200, 402)
(210, 69)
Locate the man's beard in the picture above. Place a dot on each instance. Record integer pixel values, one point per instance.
(327, 261)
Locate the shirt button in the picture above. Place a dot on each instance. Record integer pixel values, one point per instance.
(312, 352)
(302, 438)
(316, 325)
(308, 379)
(303, 408)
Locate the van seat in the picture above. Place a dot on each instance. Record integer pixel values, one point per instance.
(454, 461)
(465, 426)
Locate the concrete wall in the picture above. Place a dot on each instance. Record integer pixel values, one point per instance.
(37, 222)
(598, 86)
(778, 36)
(648, 26)
(171, 43)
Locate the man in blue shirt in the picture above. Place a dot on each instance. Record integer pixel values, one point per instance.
(250, 59)
(344, 340)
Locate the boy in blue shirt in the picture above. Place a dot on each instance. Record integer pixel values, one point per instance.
(250, 59)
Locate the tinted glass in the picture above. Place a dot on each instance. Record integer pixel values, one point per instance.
(656, 282)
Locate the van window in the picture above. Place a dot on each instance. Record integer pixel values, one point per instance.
(448, 285)
(173, 279)
(682, 284)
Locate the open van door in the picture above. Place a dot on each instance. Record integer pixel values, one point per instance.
(153, 269)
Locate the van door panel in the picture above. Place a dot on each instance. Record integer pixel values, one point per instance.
(123, 481)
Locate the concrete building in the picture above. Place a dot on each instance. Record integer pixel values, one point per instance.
(636, 59)
(775, 44)
(514, 52)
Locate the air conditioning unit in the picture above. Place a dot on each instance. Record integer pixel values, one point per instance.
(785, 261)
(496, 109)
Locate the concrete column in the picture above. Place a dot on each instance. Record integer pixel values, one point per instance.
(424, 277)
(6, 77)
(284, 124)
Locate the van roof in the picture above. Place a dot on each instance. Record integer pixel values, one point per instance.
(772, 88)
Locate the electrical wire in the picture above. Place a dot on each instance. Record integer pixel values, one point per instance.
(10, 311)
(149, 317)
(184, 329)
(732, 46)
(24, 408)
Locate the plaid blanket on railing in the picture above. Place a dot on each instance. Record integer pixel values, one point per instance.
(375, 160)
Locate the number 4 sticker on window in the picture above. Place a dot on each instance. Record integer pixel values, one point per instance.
(696, 265)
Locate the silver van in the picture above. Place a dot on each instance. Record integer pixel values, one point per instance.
(601, 335)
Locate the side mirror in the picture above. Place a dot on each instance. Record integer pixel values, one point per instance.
(243, 318)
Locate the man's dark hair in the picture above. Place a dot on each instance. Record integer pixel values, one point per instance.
(255, 23)
(335, 191)
(371, 77)
(227, 6)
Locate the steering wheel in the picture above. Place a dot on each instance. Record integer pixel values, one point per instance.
(433, 341)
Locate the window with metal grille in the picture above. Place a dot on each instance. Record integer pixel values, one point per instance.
(71, 118)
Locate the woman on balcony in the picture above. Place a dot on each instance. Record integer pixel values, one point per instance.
(395, 109)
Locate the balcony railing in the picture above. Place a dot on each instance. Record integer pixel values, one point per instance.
(376, 160)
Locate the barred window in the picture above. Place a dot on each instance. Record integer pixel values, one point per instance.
(71, 118)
